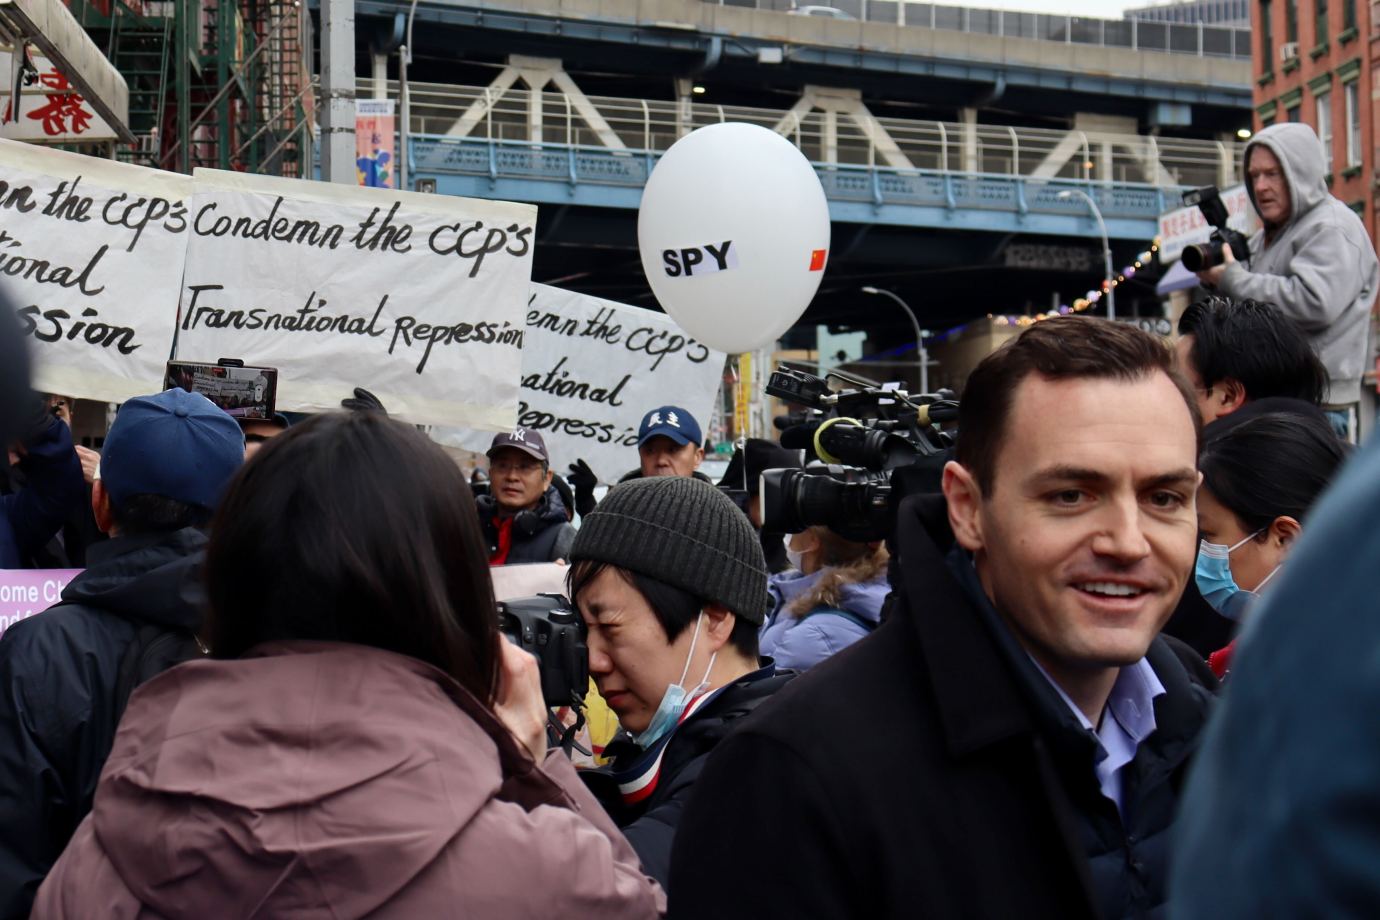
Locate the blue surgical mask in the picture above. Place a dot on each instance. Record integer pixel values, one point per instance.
(1216, 582)
(676, 697)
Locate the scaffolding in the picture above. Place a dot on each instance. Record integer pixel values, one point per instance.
(213, 83)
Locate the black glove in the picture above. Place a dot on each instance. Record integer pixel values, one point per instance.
(583, 481)
(363, 401)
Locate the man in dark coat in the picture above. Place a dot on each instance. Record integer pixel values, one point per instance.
(523, 516)
(52, 486)
(64, 673)
(1011, 741)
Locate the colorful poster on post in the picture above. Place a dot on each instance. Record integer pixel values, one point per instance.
(418, 298)
(592, 368)
(91, 255)
(25, 592)
(375, 144)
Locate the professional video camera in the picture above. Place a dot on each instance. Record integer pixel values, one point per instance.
(1200, 256)
(547, 627)
(875, 447)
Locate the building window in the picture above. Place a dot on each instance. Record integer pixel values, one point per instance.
(1348, 14)
(1291, 20)
(1353, 125)
(1291, 114)
(1325, 127)
(1321, 37)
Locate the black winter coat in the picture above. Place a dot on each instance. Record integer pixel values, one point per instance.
(650, 825)
(58, 672)
(543, 534)
(919, 773)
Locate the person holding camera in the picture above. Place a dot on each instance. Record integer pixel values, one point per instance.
(1312, 259)
(669, 577)
(362, 740)
(1010, 741)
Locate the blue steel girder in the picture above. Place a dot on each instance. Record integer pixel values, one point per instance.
(699, 42)
(599, 177)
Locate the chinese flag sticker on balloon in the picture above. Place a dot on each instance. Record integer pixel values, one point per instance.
(726, 219)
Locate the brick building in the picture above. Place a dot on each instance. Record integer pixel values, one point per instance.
(1313, 64)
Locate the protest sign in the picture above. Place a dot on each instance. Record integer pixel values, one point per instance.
(419, 298)
(592, 368)
(91, 254)
(512, 581)
(25, 592)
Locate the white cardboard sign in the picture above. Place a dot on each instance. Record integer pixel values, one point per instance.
(591, 369)
(91, 254)
(419, 298)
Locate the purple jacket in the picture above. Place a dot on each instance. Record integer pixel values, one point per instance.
(799, 642)
(326, 780)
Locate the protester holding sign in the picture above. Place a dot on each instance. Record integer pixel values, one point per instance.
(524, 517)
(66, 674)
(363, 742)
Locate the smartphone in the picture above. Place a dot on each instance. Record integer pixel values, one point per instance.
(243, 392)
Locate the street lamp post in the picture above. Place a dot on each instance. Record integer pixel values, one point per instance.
(1106, 244)
(405, 91)
(919, 336)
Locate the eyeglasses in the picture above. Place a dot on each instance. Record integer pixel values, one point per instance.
(522, 467)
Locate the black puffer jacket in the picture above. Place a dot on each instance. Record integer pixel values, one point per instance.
(650, 822)
(543, 534)
(58, 673)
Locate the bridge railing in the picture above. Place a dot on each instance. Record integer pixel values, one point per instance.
(1135, 34)
(654, 125)
(875, 185)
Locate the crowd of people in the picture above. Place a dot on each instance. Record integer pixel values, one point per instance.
(1117, 665)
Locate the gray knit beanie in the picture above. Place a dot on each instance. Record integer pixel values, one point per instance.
(683, 532)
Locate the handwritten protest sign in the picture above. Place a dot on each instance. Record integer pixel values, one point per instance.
(419, 298)
(91, 253)
(25, 592)
(592, 368)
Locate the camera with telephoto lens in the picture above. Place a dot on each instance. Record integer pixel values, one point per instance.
(1200, 256)
(547, 627)
(875, 447)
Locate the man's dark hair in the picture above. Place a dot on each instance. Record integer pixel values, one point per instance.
(353, 527)
(675, 608)
(1062, 348)
(1272, 465)
(1255, 344)
(150, 514)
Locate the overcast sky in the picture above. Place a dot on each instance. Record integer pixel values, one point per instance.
(1104, 9)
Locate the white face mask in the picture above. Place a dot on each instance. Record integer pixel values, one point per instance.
(794, 557)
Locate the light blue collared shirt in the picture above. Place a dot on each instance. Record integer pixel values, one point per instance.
(1127, 720)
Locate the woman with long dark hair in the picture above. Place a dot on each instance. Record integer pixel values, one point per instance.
(362, 741)
(1259, 481)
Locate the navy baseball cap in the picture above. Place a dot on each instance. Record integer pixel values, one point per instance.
(524, 439)
(177, 444)
(673, 422)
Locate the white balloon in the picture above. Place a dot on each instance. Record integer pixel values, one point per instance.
(734, 235)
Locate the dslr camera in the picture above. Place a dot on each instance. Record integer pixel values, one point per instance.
(875, 446)
(1200, 256)
(548, 628)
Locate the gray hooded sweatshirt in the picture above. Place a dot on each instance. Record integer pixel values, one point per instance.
(1320, 269)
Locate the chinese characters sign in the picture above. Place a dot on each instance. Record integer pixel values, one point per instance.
(51, 109)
